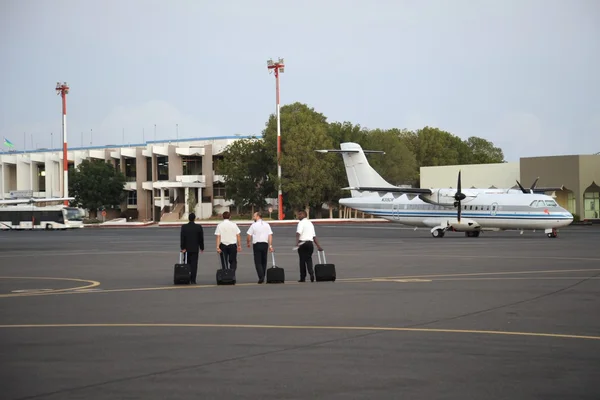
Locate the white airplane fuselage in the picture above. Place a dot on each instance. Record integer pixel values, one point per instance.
(484, 212)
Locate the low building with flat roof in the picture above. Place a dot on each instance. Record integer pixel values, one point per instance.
(160, 175)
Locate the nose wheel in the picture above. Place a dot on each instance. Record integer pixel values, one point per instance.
(438, 233)
(552, 234)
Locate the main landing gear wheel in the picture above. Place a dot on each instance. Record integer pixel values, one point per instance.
(472, 234)
(438, 233)
(553, 234)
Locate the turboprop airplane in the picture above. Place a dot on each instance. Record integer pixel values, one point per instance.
(445, 209)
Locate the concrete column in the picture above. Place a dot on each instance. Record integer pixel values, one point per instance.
(140, 177)
(175, 163)
(162, 199)
(207, 171)
(2, 181)
(187, 194)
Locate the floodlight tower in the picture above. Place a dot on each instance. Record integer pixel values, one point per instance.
(278, 67)
(63, 90)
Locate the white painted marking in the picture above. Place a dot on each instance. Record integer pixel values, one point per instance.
(31, 290)
(401, 280)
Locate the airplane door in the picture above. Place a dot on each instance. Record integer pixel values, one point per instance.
(396, 210)
(494, 209)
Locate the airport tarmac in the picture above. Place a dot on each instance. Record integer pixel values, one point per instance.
(93, 314)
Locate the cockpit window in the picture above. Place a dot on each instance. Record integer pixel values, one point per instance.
(533, 203)
(551, 203)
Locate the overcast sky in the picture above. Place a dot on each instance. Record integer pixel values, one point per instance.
(524, 74)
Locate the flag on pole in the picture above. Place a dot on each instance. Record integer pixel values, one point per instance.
(8, 143)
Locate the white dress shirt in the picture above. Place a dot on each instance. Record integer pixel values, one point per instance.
(260, 231)
(228, 231)
(306, 230)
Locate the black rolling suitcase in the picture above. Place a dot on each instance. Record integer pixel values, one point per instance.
(182, 272)
(324, 272)
(225, 276)
(275, 274)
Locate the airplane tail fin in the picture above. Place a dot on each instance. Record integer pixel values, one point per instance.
(358, 170)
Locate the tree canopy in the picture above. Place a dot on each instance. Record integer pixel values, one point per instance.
(95, 184)
(310, 179)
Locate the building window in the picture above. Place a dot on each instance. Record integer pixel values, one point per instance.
(591, 203)
(163, 168)
(219, 191)
(571, 202)
(148, 169)
(192, 165)
(130, 170)
(132, 198)
(41, 178)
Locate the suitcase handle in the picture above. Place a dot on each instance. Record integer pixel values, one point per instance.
(319, 255)
(272, 259)
(183, 258)
(222, 259)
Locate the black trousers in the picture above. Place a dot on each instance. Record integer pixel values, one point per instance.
(260, 258)
(192, 260)
(229, 256)
(305, 251)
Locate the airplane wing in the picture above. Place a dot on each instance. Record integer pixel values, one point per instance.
(390, 189)
(547, 189)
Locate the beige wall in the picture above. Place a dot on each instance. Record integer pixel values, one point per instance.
(554, 171)
(481, 176)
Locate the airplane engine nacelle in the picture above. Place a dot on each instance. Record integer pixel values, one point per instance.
(445, 197)
(465, 225)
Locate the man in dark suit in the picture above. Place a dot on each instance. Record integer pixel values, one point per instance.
(192, 240)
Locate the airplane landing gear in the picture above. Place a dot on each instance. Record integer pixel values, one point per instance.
(438, 233)
(551, 233)
(472, 234)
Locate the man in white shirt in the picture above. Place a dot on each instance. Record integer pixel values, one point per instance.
(262, 241)
(228, 235)
(305, 235)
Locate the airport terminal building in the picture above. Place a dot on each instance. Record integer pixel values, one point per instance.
(579, 174)
(160, 175)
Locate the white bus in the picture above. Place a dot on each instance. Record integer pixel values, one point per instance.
(33, 217)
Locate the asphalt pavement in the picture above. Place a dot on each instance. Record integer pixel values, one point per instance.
(94, 314)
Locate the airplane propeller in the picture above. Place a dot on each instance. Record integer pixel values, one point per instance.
(459, 196)
(531, 189)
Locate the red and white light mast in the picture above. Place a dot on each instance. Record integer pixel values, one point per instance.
(63, 90)
(278, 67)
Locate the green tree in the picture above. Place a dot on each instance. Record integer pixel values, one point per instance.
(305, 173)
(483, 151)
(399, 165)
(248, 170)
(95, 184)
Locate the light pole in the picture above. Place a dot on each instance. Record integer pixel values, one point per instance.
(63, 90)
(278, 67)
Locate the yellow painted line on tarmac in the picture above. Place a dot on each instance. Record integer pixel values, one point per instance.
(398, 279)
(306, 327)
(91, 284)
